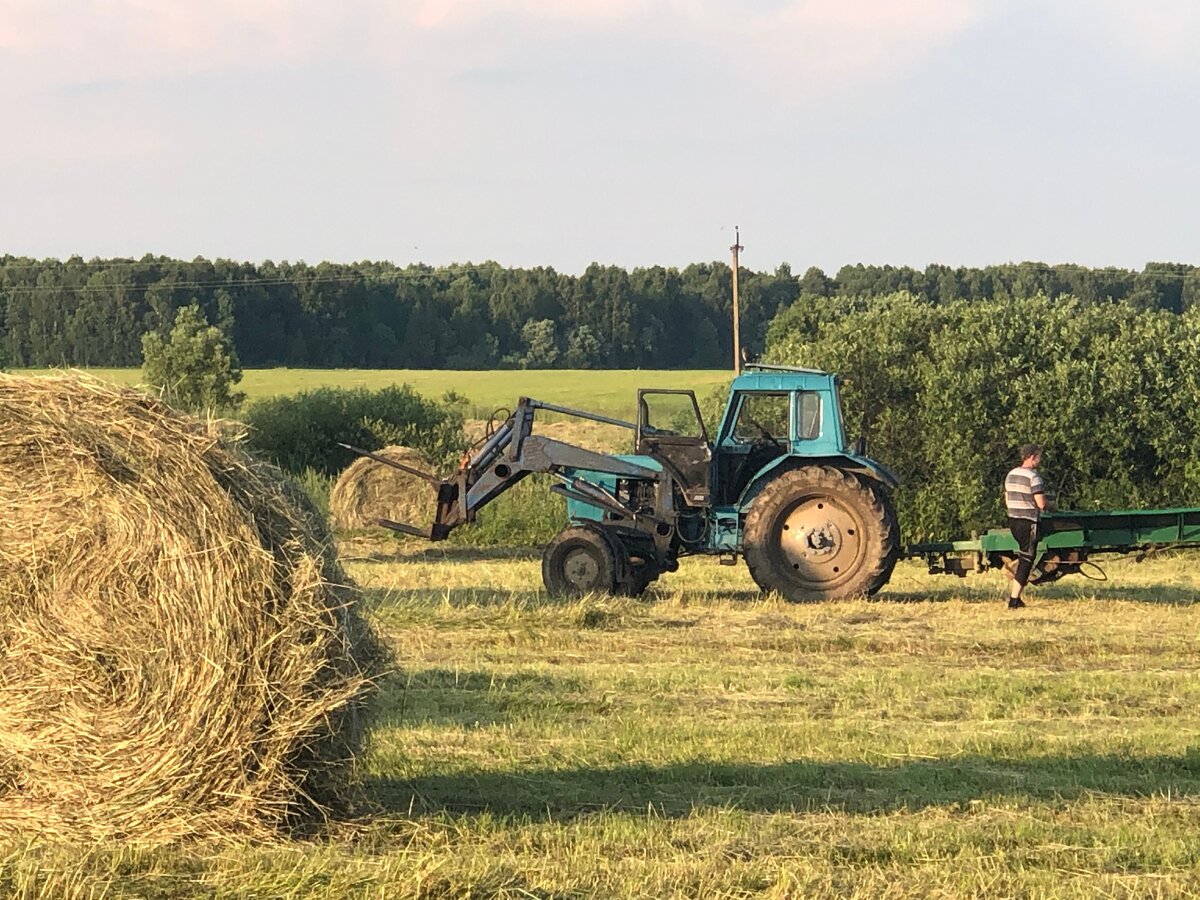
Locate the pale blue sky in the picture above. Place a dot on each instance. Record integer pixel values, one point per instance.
(631, 132)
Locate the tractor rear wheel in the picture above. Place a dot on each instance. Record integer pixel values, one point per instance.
(819, 533)
(578, 561)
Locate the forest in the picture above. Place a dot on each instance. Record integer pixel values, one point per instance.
(94, 312)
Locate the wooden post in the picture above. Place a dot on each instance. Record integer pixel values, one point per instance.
(737, 333)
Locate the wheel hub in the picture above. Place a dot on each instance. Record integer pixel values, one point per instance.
(581, 569)
(820, 540)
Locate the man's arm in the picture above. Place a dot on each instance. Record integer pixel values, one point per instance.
(1044, 503)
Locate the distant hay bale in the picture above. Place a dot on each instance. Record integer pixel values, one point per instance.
(370, 490)
(180, 653)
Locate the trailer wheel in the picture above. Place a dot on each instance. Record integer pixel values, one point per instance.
(819, 533)
(578, 561)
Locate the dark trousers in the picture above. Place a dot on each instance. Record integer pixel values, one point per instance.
(1026, 533)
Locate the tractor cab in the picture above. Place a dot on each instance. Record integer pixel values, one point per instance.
(774, 413)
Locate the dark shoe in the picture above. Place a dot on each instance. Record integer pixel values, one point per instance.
(1016, 603)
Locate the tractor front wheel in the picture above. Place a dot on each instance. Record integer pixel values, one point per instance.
(819, 533)
(579, 561)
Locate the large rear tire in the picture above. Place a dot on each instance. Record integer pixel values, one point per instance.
(578, 561)
(819, 533)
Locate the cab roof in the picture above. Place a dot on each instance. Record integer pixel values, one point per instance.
(762, 377)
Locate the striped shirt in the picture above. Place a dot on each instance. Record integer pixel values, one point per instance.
(1019, 489)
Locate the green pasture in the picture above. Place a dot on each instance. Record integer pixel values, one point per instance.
(605, 391)
(710, 742)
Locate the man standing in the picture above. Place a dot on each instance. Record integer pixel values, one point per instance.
(1025, 497)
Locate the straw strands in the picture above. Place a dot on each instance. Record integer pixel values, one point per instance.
(179, 652)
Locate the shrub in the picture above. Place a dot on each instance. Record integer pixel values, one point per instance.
(528, 514)
(947, 392)
(302, 432)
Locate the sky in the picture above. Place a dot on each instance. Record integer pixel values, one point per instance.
(625, 132)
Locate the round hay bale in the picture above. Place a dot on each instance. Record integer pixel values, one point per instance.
(370, 490)
(180, 653)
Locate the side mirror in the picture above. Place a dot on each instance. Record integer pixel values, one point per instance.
(859, 447)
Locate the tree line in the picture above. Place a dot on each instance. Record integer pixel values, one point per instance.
(378, 315)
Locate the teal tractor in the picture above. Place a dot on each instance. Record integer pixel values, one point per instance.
(778, 484)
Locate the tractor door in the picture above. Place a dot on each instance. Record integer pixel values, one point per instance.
(758, 431)
(671, 430)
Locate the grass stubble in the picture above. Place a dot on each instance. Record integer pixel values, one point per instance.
(708, 742)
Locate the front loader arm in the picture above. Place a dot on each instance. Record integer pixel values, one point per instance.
(505, 458)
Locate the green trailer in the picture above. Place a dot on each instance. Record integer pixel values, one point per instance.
(1068, 542)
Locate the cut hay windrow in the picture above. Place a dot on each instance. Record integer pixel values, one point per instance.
(369, 490)
(180, 653)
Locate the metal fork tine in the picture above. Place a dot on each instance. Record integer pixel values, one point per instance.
(432, 479)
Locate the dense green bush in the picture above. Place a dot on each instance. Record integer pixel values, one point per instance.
(528, 514)
(302, 432)
(945, 394)
(712, 406)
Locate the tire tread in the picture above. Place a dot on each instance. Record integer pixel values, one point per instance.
(874, 505)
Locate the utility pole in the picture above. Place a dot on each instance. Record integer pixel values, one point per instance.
(737, 335)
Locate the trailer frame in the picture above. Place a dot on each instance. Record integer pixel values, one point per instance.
(1066, 541)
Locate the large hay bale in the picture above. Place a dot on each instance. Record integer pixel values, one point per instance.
(180, 653)
(370, 490)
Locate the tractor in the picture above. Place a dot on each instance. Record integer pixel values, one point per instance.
(778, 484)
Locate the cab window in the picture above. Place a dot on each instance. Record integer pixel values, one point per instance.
(672, 414)
(808, 415)
(762, 416)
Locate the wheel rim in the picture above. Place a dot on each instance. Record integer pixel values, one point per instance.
(580, 569)
(821, 542)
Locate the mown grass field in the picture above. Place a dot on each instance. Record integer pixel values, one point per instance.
(708, 742)
(606, 391)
